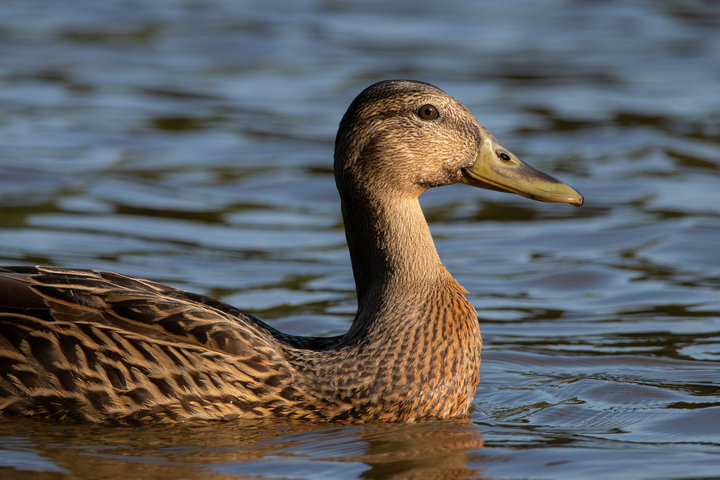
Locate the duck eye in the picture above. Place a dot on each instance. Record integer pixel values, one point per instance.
(504, 156)
(428, 112)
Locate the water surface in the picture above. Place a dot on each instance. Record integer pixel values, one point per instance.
(191, 143)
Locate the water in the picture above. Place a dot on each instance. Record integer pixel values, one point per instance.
(191, 143)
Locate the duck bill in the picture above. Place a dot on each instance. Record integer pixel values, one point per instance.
(497, 169)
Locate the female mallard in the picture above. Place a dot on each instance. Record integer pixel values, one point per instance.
(102, 347)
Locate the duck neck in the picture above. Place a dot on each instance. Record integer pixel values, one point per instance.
(413, 350)
(391, 248)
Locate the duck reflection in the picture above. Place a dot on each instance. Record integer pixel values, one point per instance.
(244, 450)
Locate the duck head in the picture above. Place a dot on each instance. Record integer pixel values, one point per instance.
(401, 137)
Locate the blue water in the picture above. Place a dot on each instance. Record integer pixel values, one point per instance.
(191, 143)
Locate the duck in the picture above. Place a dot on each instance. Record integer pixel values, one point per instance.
(94, 346)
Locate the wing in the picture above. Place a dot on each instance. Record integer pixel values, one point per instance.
(101, 346)
(130, 304)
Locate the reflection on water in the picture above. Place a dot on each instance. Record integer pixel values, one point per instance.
(192, 144)
(427, 450)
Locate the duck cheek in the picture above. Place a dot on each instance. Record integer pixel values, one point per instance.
(446, 175)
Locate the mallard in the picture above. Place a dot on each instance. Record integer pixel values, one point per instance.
(95, 346)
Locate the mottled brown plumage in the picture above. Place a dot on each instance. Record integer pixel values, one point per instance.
(102, 347)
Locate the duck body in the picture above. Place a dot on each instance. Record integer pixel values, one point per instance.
(102, 347)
